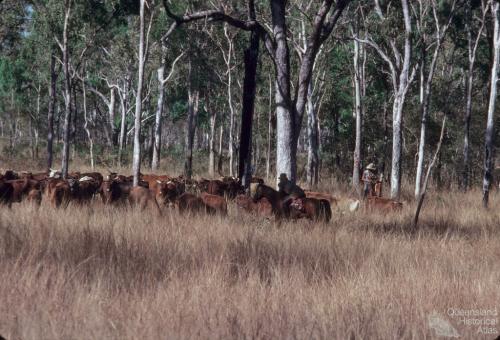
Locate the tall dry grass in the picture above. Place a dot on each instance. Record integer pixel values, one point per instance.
(105, 273)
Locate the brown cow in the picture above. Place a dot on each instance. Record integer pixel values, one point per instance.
(215, 202)
(39, 176)
(321, 196)
(152, 179)
(191, 203)
(142, 198)
(312, 209)
(34, 197)
(58, 192)
(21, 188)
(262, 207)
(383, 204)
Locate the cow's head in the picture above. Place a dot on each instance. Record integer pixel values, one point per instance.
(54, 173)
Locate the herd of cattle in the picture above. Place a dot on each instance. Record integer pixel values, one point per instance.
(160, 191)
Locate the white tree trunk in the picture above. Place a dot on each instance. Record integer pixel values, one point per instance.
(136, 166)
(231, 123)
(426, 92)
(211, 144)
(269, 129)
(86, 126)
(358, 114)
(123, 121)
(312, 145)
(159, 113)
(489, 143)
(397, 112)
(67, 90)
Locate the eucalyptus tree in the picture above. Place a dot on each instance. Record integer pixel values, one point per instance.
(427, 74)
(473, 38)
(489, 146)
(136, 165)
(401, 75)
(64, 46)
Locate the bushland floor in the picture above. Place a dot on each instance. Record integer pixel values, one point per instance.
(105, 273)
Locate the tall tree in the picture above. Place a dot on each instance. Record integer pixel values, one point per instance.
(64, 46)
(192, 114)
(138, 101)
(489, 146)
(399, 69)
(472, 45)
(50, 112)
(428, 75)
(249, 89)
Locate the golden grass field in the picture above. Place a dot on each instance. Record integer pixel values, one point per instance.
(98, 272)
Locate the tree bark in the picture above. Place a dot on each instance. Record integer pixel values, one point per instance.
(67, 90)
(86, 126)
(397, 113)
(426, 93)
(269, 129)
(193, 100)
(358, 114)
(50, 114)
(159, 110)
(489, 146)
(211, 144)
(249, 89)
(286, 140)
(123, 121)
(313, 142)
(138, 102)
(471, 48)
(230, 103)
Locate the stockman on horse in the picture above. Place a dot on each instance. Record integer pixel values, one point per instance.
(369, 179)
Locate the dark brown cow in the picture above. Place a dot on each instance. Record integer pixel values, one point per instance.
(6, 193)
(9, 175)
(216, 187)
(257, 180)
(191, 203)
(229, 188)
(259, 191)
(262, 207)
(83, 190)
(142, 197)
(167, 192)
(114, 191)
(383, 204)
(215, 202)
